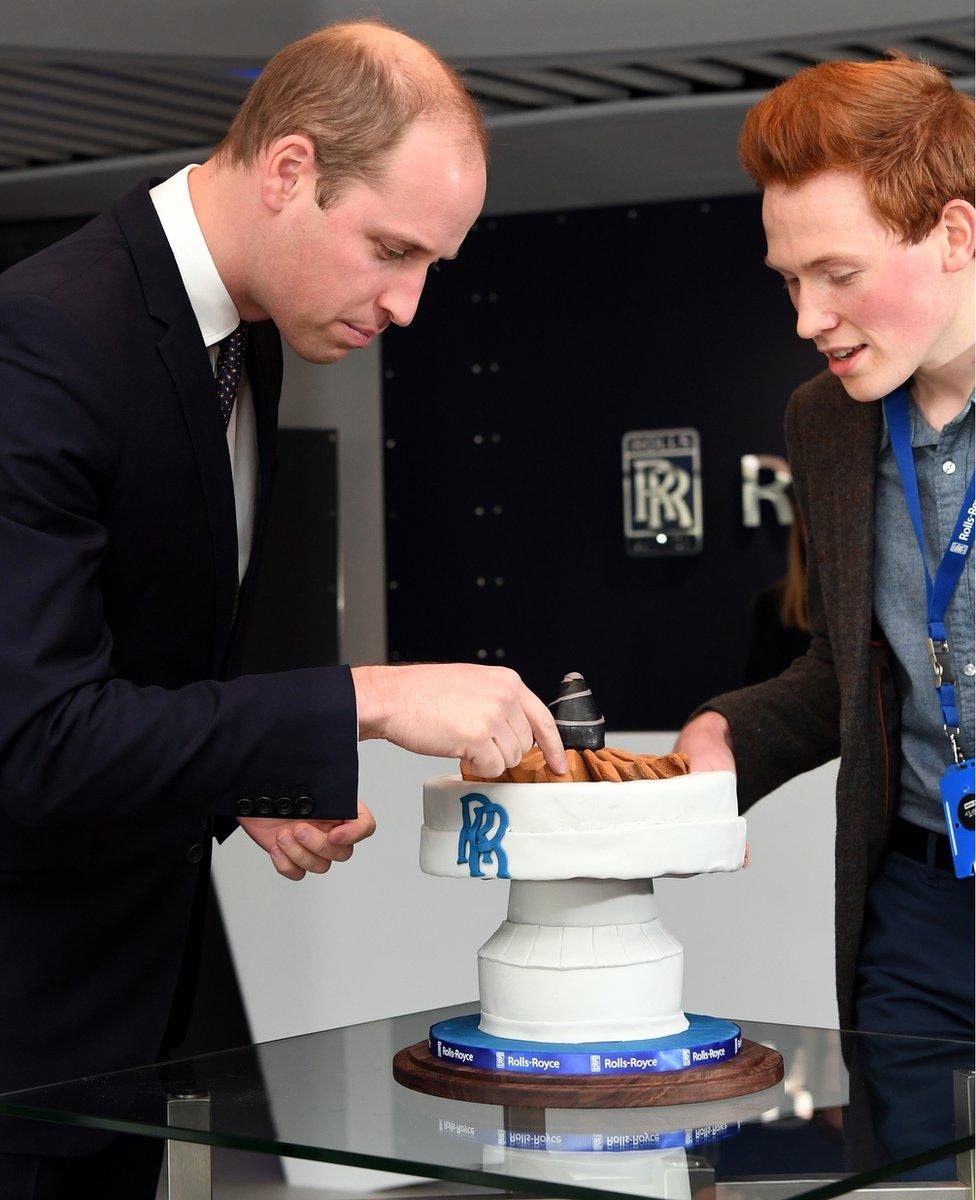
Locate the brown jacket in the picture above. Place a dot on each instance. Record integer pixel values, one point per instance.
(839, 698)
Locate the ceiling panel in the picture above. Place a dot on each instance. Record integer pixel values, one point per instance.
(86, 116)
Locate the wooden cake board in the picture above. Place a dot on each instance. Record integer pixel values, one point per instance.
(753, 1069)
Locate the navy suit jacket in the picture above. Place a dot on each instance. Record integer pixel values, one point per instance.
(123, 744)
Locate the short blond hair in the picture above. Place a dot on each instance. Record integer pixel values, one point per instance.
(353, 99)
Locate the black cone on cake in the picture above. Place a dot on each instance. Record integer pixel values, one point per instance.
(578, 719)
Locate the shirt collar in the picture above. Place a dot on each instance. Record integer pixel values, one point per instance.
(922, 433)
(212, 306)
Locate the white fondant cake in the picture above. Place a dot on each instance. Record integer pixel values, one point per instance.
(582, 960)
(681, 826)
(582, 955)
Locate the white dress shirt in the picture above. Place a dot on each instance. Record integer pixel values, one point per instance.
(217, 316)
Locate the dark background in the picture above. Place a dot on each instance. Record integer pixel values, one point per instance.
(550, 337)
(21, 239)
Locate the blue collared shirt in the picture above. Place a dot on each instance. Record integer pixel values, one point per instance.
(943, 462)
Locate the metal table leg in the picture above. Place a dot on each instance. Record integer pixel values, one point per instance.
(188, 1164)
(963, 1082)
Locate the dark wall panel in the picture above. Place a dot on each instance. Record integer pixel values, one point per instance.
(21, 239)
(504, 406)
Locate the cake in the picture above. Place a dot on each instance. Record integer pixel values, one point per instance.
(580, 986)
(582, 956)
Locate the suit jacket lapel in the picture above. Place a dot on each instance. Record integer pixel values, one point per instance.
(188, 363)
(185, 357)
(855, 429)
(264, 372)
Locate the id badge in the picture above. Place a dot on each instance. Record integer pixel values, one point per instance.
(959, 805)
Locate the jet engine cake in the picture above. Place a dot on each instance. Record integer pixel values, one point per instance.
(580, 986)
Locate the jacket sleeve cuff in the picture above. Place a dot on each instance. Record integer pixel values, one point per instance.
(301, 750)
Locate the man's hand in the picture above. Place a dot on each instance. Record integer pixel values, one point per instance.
(485, 716)
(300, 845)
(707, 742)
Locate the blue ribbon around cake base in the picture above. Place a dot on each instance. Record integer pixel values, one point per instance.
(706, 1042)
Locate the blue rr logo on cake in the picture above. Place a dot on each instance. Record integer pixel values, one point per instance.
(483, 828)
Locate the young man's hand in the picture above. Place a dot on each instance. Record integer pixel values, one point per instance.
(484, 716)
(298, 845)
(707, 742)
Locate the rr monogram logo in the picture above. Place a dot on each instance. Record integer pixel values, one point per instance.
(660, 488)
(662, 492)
(483, 826)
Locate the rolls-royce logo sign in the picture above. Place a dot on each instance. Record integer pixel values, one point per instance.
(663, 495)
(662, 492)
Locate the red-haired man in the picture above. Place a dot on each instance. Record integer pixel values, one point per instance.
(867, 178)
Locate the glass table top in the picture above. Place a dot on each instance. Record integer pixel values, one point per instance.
(852, 1110)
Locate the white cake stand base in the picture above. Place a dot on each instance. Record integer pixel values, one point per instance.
(581, 960)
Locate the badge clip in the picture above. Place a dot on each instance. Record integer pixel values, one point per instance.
(939, 661)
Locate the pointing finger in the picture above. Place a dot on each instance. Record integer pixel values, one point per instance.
(544, 729)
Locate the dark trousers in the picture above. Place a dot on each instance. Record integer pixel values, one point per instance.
(915, 976)
(126, 1169)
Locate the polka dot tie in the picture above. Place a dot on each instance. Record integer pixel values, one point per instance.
(230, 363)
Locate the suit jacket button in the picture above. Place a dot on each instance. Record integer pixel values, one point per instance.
(265, 806)
(244, 806)
(304, 805)
(284, 806)
(194, 854)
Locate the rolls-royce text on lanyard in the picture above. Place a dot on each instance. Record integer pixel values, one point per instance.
(958, 782)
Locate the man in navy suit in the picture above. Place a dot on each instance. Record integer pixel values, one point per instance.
(140, 368)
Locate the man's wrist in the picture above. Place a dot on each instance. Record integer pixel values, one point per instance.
(712, 722)
(374, 700)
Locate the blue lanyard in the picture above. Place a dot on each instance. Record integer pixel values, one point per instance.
(938, 591)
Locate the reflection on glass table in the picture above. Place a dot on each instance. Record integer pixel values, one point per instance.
(852, 1110)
